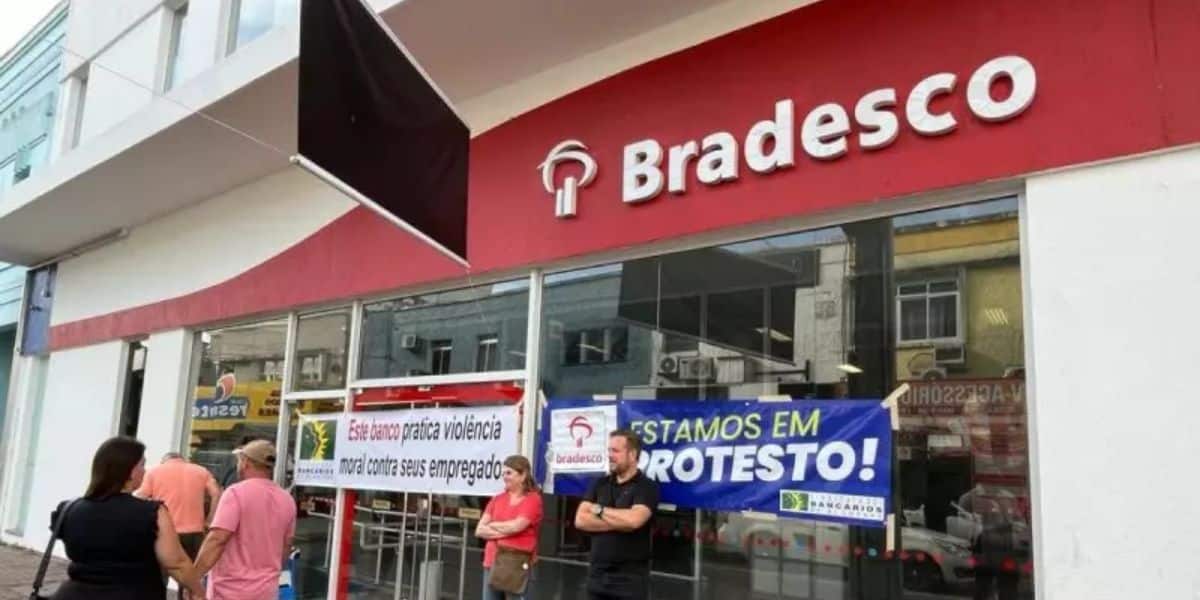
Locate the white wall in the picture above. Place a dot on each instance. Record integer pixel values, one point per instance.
(94, 24)
(493, 108)
(1112, 290)
(83, 387)
(165, 392)
(196, 247)
(124, 77)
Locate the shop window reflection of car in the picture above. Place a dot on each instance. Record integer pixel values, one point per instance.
(935, 560)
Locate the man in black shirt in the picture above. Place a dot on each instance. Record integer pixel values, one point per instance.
(617, 511)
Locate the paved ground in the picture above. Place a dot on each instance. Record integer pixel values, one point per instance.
(17, 568)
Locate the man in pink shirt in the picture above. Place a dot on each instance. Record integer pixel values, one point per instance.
(251, 534)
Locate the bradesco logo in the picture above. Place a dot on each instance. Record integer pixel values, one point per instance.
(769, 145)
(580, 430)
(577, 447)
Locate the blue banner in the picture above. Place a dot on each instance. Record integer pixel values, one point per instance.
(828, 460)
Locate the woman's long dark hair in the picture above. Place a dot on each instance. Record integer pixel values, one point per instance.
(521, 465)
(114, 462)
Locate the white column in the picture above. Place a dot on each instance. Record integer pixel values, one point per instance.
(165, 392)
(24, 397)
(1111, 288)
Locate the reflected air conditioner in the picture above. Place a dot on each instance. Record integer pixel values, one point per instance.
(697, 368)
(949, 355)
(934, 373)
(410, 342)
(669, 366)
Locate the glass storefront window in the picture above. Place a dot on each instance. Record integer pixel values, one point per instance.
(321, 344)
(474, 329)
(963, 444)
(237, 392)
(932, 299)
(783, 315)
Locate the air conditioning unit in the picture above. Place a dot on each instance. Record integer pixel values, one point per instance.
(949, 355)
(697, 368)
(934, 373)
(410, 342)
(669, 366)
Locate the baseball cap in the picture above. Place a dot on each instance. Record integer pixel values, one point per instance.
(259, 451)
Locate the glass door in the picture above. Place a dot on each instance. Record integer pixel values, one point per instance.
(313, 546)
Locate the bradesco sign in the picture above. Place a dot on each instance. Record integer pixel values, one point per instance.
(824, 133)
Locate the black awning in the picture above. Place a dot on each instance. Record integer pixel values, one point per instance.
(369, 117)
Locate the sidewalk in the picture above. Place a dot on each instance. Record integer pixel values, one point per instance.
(17, 568)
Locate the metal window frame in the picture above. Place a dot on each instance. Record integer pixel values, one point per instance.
(959, 278)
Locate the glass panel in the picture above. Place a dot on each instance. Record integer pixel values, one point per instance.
(189, 52)
(963, 446)
(237, 392)
(737, 320)
(402, 541)
(486, 354)
(315, 514)
(409, 336)
(37, 155)
(912, 319)
(321, 344)
(256, 17)
(772, 316)
(819, 310)
(7, 171)
(943, 316)
(440, 351)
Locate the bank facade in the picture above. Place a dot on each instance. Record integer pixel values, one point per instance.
(991, 204)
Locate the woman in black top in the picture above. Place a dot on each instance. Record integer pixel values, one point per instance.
(120, 546)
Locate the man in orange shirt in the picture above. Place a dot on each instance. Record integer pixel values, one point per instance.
(182, 487)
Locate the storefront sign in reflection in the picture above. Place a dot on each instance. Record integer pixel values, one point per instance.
(816, 459)
(956, 397)
(230, 408)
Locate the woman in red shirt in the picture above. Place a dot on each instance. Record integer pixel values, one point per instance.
(511, 519)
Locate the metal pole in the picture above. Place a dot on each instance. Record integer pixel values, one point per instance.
(428, 538)
(400, 550)
(329, 540)
(379, 552)
(283, 422)
(462, 563)
(697, 555)
(441, 534)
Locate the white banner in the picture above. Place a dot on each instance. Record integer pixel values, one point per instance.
(443, 450)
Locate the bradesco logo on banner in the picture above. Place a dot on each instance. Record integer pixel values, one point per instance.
(448, 450)
(579, 439)
(817, 459)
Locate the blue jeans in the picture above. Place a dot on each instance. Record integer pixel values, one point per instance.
(491, 594)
